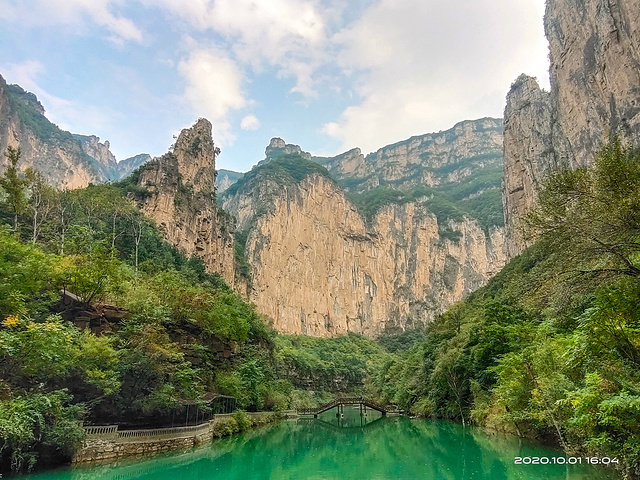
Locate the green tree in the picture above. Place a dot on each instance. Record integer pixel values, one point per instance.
(37, 425)
(14, 186)
(40, 201)
(592, 216)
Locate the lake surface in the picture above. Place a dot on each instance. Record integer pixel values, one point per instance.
(353, 447)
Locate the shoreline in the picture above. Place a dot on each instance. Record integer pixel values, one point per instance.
(102, 448)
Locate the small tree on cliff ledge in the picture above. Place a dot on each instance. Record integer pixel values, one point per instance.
(14, 186)
(592, 216)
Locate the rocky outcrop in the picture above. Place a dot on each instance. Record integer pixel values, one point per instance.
(278, 147)
(318, 268)
(594, 50)
(128, 165)
(181, 199)
(595, 92)
(371, 244)
(65, 160)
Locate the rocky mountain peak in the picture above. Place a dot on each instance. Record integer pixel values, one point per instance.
(181, 200)
(276, 142)
(67, 160)
(195, 154)
(594, 52)
(278, 147)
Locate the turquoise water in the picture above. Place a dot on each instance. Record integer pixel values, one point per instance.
(352, 447)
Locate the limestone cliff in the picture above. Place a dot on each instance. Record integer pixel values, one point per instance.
(66, 160)
(595, 92)
(594, 50)
(534, 146)
(128, 165)
(431, 159)
(318, 268)
(360, 247)
(180, 197)
(226, 178)
(278, 147)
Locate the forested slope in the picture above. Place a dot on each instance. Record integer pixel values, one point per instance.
(550, 348)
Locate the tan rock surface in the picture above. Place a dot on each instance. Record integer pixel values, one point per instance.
(417, 160)
(182, 201)
(65, 160)
(318, 269)
(595, 92)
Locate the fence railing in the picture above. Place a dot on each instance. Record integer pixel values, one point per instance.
(175, 432)
(111, 432)
(101, 430)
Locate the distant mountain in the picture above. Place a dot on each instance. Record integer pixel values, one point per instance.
(65, 159)
(226, 178)
(128, 165)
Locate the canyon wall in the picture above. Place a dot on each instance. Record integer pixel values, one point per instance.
(318, 268)
(430, 159)
(595, 93)
(325, 256)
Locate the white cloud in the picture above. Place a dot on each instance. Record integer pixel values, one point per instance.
(72, 13)
(214, 89)
(250, 122)
(290, 35)
(423, 65)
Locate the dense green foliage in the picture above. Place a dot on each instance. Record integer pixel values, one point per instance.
(285, 170)
(243, 269)
(340, 364)
(551, 346)
(185, 336)
(29, 110)
(13, 186)
(479, 198)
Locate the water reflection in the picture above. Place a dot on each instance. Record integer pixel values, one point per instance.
(349, 447)
(349, 416)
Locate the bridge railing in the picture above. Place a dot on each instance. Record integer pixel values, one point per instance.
(347, 401)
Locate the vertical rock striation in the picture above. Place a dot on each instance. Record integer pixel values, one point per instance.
(533, 147)
(318, 268)
(595, 92)
(356, 246)
(594, 50)
(181, 199)
(431, 159)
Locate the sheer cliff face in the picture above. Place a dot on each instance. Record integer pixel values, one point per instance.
(595, 91)
(181, 200)
(318, 268)
(65, 160)
(58, 156)
(534, 146)
(595, 70)
(320, 264)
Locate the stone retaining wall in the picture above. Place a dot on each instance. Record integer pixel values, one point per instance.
(103, 444)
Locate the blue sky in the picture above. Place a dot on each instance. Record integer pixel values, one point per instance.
(328, 75)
